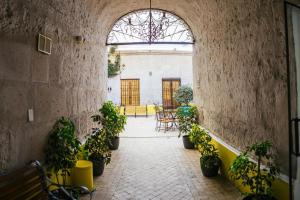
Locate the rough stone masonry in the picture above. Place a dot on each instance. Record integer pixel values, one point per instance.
(238, 60)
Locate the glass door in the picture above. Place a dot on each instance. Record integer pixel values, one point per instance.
(169, 87)
(293, 49)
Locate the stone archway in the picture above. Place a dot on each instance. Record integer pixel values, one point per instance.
(239, 76)
(239, 68)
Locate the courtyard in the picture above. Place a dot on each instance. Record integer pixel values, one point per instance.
(155, 165)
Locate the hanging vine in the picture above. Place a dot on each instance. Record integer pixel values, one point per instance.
(114, 62)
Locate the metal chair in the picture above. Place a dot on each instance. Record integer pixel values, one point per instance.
(162, 121)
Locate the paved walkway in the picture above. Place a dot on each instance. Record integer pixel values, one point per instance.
(157, 168)
(145, 127)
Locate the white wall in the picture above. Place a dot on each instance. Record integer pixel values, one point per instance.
(162, 64)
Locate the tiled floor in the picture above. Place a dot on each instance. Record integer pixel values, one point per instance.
(145, 127)
(157, 168)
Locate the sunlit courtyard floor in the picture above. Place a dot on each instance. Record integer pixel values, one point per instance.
(155, 165)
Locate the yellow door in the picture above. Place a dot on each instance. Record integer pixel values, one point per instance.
(130, 92)
(169, 87)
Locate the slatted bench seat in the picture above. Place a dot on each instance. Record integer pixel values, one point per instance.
(30, 183)
(25, 183)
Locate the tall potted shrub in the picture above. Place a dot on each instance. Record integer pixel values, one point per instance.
(209, 161)
(112, 122)
(184, 95)
(252, 174)
(98, 150)
(61, 149)
(186, 117)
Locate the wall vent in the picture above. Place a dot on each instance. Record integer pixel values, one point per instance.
(44, 44)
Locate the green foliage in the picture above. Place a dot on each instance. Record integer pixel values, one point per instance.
(83, 154)
(97, 146)
(202, 140)
(184, 95)
(186, 117)
(251, 173)
(112, 122)
(114, 62)
(62, 147)
(200, 137)
(112, 125)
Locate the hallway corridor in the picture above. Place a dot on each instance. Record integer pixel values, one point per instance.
(157, 168)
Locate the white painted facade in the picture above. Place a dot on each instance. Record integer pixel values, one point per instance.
(150, 67)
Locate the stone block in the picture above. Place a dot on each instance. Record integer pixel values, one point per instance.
(49, 103)
(14, 103)
(40, 67)
(14, 60)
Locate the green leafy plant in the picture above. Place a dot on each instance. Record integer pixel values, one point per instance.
(83, 154)
(202, 140)
(61, 148)
(184, 95)
(111, 120)
(186, 118)
(96, 145)
(259, 179)
(114, 62)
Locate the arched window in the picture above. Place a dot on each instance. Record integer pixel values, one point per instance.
(150, 26)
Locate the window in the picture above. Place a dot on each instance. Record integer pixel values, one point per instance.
(150, 26)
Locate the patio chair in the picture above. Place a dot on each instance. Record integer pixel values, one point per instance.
(162, 121)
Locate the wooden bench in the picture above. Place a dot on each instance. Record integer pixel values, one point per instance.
(30, 183)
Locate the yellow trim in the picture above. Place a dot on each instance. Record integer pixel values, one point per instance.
(280, 187)
(138, 110)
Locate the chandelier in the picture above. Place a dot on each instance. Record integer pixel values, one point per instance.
(150, 26)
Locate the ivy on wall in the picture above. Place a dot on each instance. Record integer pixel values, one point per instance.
(114, 62)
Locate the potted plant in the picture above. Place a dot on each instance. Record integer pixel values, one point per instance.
(184, 95)
(252, 174)
(209, 161)
(98, 150)
(112, 122)
(185, 121)
(61, 149)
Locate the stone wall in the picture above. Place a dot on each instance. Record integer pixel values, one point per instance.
(241, 74)
(69, 82)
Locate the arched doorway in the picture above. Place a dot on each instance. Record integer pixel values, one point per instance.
(164, 36)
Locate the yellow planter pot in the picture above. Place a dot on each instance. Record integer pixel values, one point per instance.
(82, 174)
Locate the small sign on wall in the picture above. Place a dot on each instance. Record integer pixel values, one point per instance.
(44, 44)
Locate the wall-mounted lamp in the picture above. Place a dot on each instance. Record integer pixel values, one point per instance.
(109, 89)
